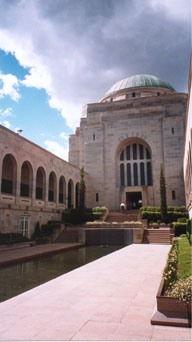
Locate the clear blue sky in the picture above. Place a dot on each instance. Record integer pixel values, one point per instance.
(56, 56)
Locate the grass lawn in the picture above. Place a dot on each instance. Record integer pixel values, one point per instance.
(184, 269)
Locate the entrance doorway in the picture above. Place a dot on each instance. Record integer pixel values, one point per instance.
(134, 199)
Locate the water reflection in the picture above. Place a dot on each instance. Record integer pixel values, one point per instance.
(18, 278)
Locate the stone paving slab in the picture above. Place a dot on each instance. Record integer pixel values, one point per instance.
(112, 298)
(26, 253)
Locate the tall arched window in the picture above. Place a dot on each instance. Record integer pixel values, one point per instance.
(135, 160)
(9, 175)
(62, 190)
(77, 194)
(70, 194)
(40, 184)
(52, 187)
(26, 180)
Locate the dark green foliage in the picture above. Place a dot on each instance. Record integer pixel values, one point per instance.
(37, 231)
(9, 238)
(82, 189)
(155, 216)
(48, 229)
(151, 216)
(169, 208)
(81, 215)
(184, 258)
(163, 206)
(181, 220)
(179, 228)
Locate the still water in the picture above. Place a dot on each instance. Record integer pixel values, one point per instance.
(18, 278)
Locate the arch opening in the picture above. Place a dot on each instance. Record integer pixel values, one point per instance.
(26, 180)
(40, 184)
(9, 175)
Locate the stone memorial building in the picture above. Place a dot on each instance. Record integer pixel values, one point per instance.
(123, 139)
(121, 142)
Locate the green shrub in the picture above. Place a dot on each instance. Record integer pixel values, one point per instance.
(184, 258)
(9, 238)
(181, 290)
(179, 228)
(172, 216)
(181, 220)
(82, 215)
(170, 270)
(47, 229)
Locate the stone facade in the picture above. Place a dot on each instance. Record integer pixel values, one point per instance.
(35, 184)
(151, 116)
(187, 160)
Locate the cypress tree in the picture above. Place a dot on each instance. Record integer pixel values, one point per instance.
(82, 188)
(163, 206)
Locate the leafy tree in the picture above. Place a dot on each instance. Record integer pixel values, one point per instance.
(82, 188)
(163, 207)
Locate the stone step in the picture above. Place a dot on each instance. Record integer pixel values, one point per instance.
(162, 236)
(68, 236)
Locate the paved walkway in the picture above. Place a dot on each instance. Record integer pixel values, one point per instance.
(112, 298)
(26, 253)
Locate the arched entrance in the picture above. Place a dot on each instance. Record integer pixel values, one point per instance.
(134, 172)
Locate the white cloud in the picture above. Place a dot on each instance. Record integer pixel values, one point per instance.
(6, 112)
(76, 52)
(57, 149)
(64, 136)
(9, 87)
(176, 9)
(5, 123)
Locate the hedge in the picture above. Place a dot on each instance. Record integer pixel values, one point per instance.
(82, 215)
(169, 208)
(156, 216)
(9, 238)
(179, 228)
(47, 229)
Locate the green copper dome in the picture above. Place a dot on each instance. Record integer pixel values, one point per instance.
(139, 81)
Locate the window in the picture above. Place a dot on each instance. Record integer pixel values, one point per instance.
(135, 151)
(122, 176)
(24, 225)
(94, 137)
(135, 174)
(122, 155)
(173, 195)
(133, 94)
(128, 152)
(135, 165)
(141, 151)
(148, 154)
(173, 131)
(142, 173)
(129, 174)
(149, 174)
(97, 197)
(158, 93)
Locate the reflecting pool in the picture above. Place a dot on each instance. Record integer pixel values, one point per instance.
(18, 278)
